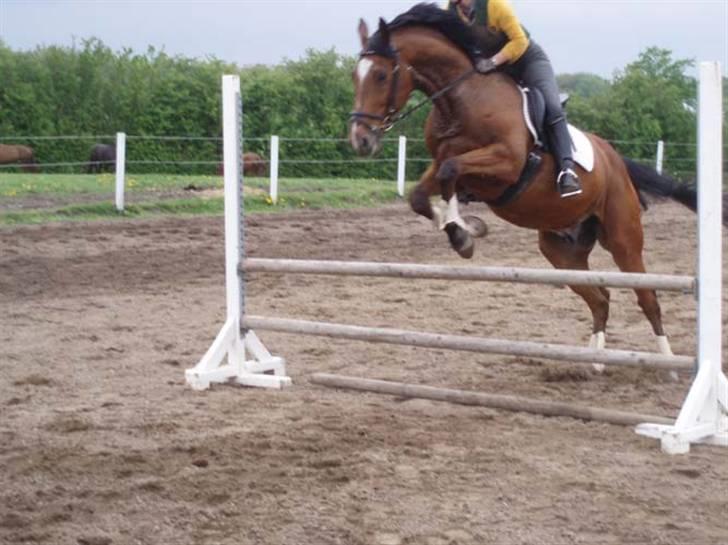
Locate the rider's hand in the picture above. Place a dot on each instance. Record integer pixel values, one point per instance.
(485, 66)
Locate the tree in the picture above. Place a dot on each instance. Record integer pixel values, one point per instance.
(651, 99)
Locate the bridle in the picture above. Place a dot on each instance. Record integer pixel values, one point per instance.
(389, 119)
(393, 116)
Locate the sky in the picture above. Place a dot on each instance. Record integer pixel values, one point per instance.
(597, 36)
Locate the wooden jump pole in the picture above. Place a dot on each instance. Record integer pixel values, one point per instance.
(480, 399)
(559, 277)
(562, 353)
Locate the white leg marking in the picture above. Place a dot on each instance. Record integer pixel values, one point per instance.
(598, 341)
(453, 213)
(439, 214)
(663, 345)
(362, 69)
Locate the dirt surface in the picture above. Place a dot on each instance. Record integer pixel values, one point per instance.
(101, 441)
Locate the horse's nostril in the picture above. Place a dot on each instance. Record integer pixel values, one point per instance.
(365, 142)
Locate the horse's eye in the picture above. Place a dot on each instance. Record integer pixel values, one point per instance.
(380, 77)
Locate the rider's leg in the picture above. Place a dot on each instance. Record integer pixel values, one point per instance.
(537, 72)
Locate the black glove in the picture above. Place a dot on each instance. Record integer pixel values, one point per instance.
(484, 66)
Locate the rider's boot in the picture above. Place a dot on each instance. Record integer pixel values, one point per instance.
(567, 181)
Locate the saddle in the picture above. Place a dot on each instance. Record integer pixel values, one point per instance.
(534, 114)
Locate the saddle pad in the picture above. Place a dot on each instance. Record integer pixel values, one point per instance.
(583, 149)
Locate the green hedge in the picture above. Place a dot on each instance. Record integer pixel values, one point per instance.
(91, 90)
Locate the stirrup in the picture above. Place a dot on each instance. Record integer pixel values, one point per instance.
(576, 187)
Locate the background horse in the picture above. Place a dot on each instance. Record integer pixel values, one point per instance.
(253, 165)
(479, 142)
(102, 158)
(10, 153)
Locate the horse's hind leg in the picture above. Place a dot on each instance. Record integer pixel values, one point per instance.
(624, 239)
(573, 253)
(626, 248)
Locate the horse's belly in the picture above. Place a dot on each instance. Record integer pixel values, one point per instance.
(547, 214)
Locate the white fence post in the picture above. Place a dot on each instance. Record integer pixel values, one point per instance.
(120, 169)
(274, 169)
(401, 165)
(660, 156)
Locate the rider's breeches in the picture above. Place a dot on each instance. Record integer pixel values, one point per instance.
(535, 71)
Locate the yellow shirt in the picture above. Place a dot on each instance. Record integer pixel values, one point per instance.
(501, 17)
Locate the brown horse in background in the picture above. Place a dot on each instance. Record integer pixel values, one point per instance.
(11, 153)
(479, 143)
(253, 165)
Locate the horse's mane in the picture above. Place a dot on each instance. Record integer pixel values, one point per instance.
(444, 21)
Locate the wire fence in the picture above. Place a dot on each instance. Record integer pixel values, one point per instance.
(164, 167)
(314, 157)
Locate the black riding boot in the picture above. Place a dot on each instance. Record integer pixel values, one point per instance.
(567, 182)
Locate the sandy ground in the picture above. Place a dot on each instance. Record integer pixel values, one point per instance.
(101, 441)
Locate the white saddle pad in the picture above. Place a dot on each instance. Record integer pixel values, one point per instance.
(583, 149)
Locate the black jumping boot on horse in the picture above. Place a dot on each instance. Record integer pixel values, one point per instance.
(567, 181)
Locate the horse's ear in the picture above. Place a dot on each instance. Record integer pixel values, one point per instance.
(363, 33)
(384, 31)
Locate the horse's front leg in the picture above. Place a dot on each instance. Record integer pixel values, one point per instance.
(488, 161)
(419, 198)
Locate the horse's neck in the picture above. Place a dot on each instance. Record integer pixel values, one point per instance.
(437, 63)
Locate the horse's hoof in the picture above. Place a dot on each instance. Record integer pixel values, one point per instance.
(460, 240)
(476, 226)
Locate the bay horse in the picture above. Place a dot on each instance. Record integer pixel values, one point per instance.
(11, 153)
(479, 143)
(102, 158)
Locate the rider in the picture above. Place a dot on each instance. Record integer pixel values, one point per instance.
(529, 64)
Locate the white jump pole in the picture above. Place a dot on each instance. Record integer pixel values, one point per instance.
(704, 414)
(274, 146)
(401, 165)
(231, 342)
(660, 156)
(120, 169)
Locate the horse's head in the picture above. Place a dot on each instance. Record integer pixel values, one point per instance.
(381, 88)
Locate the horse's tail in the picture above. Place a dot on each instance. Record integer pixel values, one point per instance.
(647, 180)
